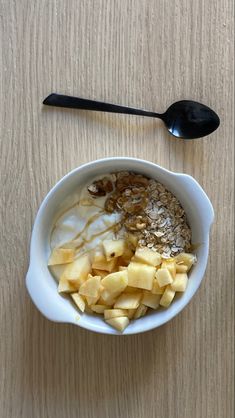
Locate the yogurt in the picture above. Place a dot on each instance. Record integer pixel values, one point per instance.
(84, 223)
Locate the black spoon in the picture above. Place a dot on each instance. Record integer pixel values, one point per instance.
(184, 119)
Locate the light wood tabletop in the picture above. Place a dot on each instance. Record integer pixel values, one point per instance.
(140, 53)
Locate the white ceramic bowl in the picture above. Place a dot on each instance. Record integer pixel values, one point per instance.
(42, 287)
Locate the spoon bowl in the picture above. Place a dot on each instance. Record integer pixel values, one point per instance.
(189, 120)
(184, 119)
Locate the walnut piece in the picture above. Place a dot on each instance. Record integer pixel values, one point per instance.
(100, 187)
(131, 180)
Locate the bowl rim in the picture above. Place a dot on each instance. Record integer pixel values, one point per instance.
(31, 271)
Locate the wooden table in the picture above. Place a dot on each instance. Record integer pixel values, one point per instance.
(135, 52)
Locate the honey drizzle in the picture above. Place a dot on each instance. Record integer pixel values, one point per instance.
(88, 223)
(73, 206)
(97, 235)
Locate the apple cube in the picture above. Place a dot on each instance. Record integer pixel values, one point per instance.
(90, 287)
(180, 282)
(150, 300)
(58, 270)
(181, 268)
(141, 275)
(115, 282)
(170, 265)
(113, 248)
(125, 259)
(79, 301)
(101, 273)
(101, 301)
(92, 300)
(65, 286)
(167, 297)
(100, 262)
(108, 298)
(128, 301)
(77, 271)
(187, 259)
(140, 311)
(119, 323)
(164, 277)
(114, 313)
(130, 289)
(98, 308)
(148, 256)
(61, 256)
(88, 310)
(131, 313)
(156, 289)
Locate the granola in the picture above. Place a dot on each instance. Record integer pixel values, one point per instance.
(148, 210)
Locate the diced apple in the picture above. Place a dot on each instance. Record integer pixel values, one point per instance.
(180, 282)
(57, 270)
(171, 266)
(187, 259)
(131, 313)
(118, 323)
(115, 282)
(167, 297)
(98, 308)
(61, 256)
(156, 289)
(65, 286)
(92, 300)
(150, 300)
(130, 289)
(77, 271)
(125, 259)
(140, 311)
(113, 248)
(79, 301)
(164, 277)
(114, 313)
(148, 256)
(91, 287)
(101, 301)
(101, 273)
(100, 262)
(128, 301)
(141, 275)
(122, 268)
(181, 268)
(108, 298)
(88, 310)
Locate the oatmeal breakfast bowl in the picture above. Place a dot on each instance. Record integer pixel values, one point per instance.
(119, 246)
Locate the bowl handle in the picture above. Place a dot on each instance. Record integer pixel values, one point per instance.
(41, 295)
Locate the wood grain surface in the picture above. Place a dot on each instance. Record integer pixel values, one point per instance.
(134, 52)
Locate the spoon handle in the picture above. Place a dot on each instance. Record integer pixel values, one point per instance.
(60, 100)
